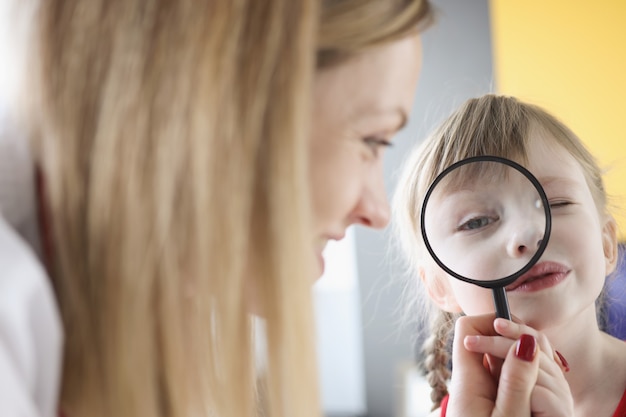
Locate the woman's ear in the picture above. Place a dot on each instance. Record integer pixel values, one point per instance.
(609, 244)
(439, 290)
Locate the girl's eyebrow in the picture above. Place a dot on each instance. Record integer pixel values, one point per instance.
(556, 180)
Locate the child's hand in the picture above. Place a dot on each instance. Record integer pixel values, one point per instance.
(551, 395)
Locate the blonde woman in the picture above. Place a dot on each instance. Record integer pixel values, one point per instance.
(194, 157)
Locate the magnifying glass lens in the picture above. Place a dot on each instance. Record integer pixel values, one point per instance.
(485, 220)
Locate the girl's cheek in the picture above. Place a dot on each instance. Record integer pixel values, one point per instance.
(472, 299)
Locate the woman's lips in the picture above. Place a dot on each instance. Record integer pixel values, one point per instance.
(321, 263)
(322, 243)
(541, 276)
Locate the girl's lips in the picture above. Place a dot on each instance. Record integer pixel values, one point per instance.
(541, 276)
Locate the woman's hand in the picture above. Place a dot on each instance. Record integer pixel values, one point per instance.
(474, 391)
(551, 395)
(524, 384)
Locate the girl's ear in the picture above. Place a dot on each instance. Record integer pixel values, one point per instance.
(439, 290)
(609, 244)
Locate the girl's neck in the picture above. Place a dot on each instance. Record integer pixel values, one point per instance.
(597, 361)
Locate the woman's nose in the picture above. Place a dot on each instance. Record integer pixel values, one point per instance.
(372, 209)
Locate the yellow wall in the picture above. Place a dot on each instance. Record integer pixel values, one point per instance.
(569, 56)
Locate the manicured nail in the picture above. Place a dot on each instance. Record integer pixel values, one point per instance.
(526, 346)
(563, 360)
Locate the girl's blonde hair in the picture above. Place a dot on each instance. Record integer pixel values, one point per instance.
(488, 125)
(172, 138)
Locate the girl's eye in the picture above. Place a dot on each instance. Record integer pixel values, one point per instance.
(375, 143)
(560, 203)
(476, 223)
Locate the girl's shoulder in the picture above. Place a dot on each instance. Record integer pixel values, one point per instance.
(30, 331)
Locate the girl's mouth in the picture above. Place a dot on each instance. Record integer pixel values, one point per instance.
(541, 276)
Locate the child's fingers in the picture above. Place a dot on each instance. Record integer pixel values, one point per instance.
(551, 395)
(545, 402)
(550, 373)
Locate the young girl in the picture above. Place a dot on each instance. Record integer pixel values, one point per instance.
(558, 307)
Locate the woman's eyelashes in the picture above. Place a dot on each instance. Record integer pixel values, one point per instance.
(375, 143)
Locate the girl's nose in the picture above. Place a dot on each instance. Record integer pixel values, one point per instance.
(525, 241)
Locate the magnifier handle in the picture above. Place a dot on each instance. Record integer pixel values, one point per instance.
(501, 303)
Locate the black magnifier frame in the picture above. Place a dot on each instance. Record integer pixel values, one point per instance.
(499, 294)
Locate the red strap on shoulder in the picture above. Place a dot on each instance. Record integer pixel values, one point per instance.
(621, 408)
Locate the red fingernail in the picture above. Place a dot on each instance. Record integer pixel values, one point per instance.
(563, 360)
(526, 346)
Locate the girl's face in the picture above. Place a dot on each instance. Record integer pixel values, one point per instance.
(484, 220)
(358, 108)
(581, 251)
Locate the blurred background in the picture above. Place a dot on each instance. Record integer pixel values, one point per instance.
(568, 56)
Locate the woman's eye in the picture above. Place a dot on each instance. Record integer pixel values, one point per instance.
(475, 223)
(375, 143)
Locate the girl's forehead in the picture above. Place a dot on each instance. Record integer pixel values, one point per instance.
(477, 174)
(544, 156)
(547, 158)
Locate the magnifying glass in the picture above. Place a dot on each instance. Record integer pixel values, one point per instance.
(486, 220)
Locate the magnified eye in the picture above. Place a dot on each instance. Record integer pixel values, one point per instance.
(476, 223)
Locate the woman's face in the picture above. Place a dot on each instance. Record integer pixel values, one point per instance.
(359, 106)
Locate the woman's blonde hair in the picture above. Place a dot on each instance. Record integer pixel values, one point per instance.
(172, 138)
(488, 125)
